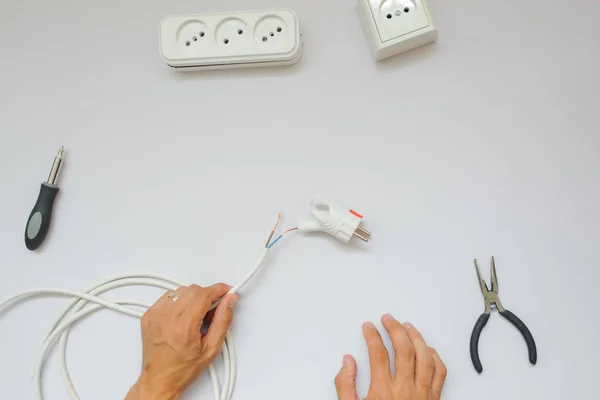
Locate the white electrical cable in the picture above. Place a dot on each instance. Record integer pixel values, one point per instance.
(85, 303)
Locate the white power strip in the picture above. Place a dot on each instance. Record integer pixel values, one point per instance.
(396, 26)
(231, 40)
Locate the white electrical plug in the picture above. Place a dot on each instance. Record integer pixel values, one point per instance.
(335, 219)
(396, 26)
(230, 40)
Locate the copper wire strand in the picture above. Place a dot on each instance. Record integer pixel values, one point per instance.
(289, 230)
(273, 230)
(278, 221)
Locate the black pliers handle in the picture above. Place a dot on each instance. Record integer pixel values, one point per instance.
(520, 325)
(492, 301)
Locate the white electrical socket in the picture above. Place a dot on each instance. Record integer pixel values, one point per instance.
(396, 26)
(230, 40)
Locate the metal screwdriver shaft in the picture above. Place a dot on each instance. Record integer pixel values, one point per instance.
(56, 166)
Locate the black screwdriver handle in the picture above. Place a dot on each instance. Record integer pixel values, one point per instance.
(474, 345)
(39, 220)
(520, 325)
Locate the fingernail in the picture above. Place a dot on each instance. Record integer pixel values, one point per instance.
(408, 325)
(387, 317)
(368, 324)
(347, 361)
(232, 301)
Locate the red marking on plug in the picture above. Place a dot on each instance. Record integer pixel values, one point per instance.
(356, 214)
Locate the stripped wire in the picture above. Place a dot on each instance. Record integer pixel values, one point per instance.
(278, 238)
(273, 230)
(278, 221)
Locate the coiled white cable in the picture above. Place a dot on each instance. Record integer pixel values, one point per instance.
(85, 303)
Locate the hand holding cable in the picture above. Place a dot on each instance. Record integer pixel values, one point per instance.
(174, 350)
(88, 302)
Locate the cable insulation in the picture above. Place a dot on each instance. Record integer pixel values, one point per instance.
(83, 304)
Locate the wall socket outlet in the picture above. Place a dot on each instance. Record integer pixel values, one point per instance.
(230, 40)
(396, 26)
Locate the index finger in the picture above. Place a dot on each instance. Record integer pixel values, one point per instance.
(379, 359)
(404, 351)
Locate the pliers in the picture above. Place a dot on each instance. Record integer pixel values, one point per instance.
(492, 302)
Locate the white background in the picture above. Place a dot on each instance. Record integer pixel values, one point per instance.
(485, 143)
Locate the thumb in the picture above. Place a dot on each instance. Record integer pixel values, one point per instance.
(345, 381)
(215, 336)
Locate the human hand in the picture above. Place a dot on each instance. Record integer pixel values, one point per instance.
(420, 373)
(174, 350)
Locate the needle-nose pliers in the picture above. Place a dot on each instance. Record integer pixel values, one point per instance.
(492, 301)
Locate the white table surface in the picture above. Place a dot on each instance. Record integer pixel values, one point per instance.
(485, 143)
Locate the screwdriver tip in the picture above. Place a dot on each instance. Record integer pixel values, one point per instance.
(56, 166)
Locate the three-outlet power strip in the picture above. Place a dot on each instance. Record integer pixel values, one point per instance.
(231, 40)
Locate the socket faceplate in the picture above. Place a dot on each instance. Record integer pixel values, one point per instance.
(396, 26)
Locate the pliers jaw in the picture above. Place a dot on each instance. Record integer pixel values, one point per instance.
(492, 301)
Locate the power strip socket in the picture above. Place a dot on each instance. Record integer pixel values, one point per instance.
(396, 26)
(230, 40)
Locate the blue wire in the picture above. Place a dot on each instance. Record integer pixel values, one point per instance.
(275, 241)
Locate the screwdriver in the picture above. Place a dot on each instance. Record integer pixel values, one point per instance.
(39, 220)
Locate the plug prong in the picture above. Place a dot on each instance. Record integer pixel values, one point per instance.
(362, 234)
